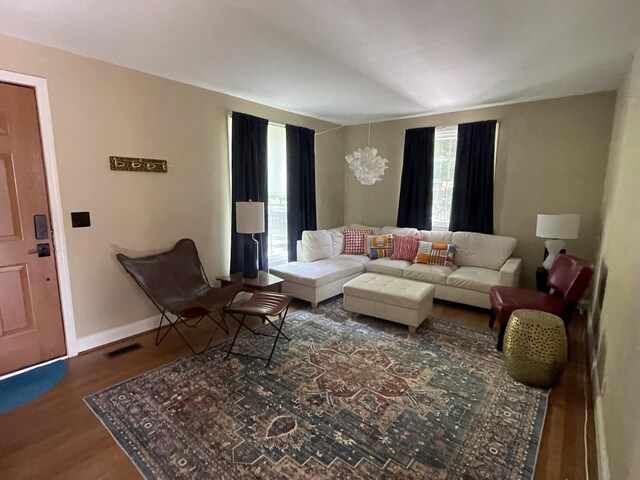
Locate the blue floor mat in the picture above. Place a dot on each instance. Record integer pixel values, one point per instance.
(23, 388)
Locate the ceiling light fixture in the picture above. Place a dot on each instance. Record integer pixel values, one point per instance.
(367, 165)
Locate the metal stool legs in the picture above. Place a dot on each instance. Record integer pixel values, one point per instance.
(263, 306)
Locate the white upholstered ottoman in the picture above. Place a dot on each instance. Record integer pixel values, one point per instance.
(392, 298)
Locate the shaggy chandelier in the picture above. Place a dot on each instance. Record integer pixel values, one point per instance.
(367, 165)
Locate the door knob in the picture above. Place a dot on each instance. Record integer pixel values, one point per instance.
(42, 250)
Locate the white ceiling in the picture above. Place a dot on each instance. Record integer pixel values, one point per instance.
(351, 61)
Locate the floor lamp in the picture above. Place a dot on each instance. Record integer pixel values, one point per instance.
(556, 229)
(250, 220)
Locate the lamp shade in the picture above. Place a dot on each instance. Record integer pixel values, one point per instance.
(565, 226)
(249, 217)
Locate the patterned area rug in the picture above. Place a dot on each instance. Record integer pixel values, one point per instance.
(347, 398)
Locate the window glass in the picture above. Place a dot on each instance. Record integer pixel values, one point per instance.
(277, 189)
(444, 163)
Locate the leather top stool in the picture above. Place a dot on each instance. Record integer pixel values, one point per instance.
(262, 305)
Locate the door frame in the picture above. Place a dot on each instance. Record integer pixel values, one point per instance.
(55, 205)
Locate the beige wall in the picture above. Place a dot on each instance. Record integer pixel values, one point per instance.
(551, 158)
(99, 110)
(618, 403)
(329, 178)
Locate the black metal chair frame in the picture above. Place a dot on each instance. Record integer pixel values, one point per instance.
(179, 318)
(241, 324)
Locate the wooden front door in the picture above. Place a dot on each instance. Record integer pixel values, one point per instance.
(31, 328)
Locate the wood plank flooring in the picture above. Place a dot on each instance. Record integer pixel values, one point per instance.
(57, 436)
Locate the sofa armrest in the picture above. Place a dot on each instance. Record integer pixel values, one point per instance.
(299, 248)
(510, 272)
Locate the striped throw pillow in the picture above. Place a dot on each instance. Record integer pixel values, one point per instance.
(379, 246)
(405, 247)
(354, 241)
(435, 253)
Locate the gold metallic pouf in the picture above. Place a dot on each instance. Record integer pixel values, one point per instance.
(535, 347)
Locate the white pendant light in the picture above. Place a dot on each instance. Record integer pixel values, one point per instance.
(367, 165)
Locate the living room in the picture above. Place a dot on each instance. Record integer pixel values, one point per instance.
(567, 111)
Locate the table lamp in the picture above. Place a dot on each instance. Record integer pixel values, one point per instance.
(556, 229)
(250, 220)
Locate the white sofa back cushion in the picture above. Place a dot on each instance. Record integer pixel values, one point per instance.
(436, 236)
(482, 250)
(337, 240)
(398, 231)
(316, 245)
(358, 226)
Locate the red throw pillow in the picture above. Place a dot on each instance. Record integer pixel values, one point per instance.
(405, 247)
(354, 241)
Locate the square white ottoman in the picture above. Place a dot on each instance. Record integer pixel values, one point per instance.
(391, 298)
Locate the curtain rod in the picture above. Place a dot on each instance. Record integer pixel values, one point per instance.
(277, 124)
(330, 130)
(456, 124)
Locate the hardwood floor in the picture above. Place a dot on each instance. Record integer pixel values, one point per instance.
(562, 450)
(57, 436)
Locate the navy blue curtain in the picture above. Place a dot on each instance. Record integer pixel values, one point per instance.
(301, 184)
(472, 200)
(248, 180)
(416, 186)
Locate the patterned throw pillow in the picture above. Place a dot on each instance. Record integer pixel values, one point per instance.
(354, 241)
(405, 247)
(436, 253)
(379, 246)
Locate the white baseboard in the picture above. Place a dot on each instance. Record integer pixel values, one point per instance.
(601, 440)
(113, 335)
(603, 457)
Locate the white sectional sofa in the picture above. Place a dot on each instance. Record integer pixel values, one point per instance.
(481, 261)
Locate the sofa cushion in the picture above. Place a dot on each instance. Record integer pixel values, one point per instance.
(387, 266)
(378, 246)
(435, 253)
(436, 236)
(354, 241)
(405, 247)
(358, 226)
(482, 250)
(316, 274)
(337, 240)
(316, 245)
(428, 273)
(474, 278)
(398, 230)
(361, 259)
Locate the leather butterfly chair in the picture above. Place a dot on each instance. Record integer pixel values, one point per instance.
(568, 279)
(176, 283)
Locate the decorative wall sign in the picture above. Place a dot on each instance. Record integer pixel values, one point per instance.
(127, 164)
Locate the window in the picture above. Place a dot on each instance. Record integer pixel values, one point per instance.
(444, 164)
(277, 190)
(277, 251)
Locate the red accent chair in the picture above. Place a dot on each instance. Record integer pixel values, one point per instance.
(569, 278)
